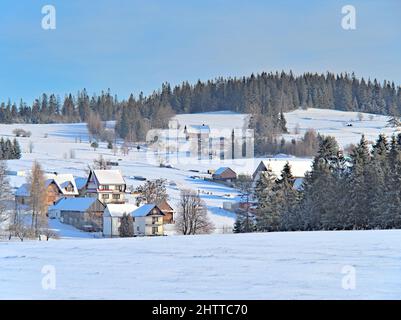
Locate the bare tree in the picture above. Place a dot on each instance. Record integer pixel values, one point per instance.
(152, 192)
(17, 227)
(48, 233)
(100, 164)
(192, 215)
(94, 124)
(38, 195)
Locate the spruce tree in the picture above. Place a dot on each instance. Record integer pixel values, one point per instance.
(16, 149)
(317, 196)
(358, 196)
(266, 211)
(287, 200)
(126, 228)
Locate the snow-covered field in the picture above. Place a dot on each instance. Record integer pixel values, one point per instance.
(247, 266)
(292, 265)
(334, 123)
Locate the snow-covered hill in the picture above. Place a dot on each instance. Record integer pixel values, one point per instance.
(292, 265)
(345, 126)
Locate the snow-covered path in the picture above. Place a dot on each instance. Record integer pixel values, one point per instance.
(296, 265)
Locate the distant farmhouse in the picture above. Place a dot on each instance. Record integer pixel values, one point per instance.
(224, 174)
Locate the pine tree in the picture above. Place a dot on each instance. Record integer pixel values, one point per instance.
(266, 218)
(315, 204)
(16, 149)
(283, 123)
(288, 200)
(358, 197)
(393, 122)
(391, 217)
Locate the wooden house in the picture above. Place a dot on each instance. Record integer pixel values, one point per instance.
(148, 220)
(168, 212)
(57, 186)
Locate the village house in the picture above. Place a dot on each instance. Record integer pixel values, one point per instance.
(168, 212)
(83, 213)
(57, 186)
(224, 174)
(148, 220)
(112, 218)
(106, 185)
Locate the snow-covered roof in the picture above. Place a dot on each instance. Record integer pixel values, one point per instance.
(23, 190)
(118, 210)
(109, 176)
(143, 210)
(62, 181)
(73, 204)
(298, 166)
(221, 170)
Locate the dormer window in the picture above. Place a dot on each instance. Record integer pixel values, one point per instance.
(105, 187)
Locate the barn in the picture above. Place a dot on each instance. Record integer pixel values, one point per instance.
(83, 213)
(224, 174)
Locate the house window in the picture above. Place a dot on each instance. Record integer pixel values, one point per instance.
(154, 220)
(120, 188)
(155, 230)
(116, 196)
(105, 196)
(105, 187)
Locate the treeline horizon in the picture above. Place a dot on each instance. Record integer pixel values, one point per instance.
(264, 95)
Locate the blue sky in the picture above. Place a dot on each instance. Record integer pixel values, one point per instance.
(132, 46)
